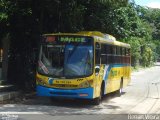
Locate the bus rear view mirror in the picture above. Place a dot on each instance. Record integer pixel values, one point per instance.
(97, 46)
(97, 70)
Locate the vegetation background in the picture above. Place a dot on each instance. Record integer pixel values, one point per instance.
(22, 22)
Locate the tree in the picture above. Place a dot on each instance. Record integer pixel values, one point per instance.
(3, 19)
(152, 16)
(135, 50)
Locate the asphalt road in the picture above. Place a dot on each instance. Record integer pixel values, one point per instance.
(141, 97)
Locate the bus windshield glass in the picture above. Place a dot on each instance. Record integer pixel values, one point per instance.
(66, 57)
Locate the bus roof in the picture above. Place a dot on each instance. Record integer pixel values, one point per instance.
(99, 37)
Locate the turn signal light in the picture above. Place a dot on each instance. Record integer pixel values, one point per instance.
(83, 94)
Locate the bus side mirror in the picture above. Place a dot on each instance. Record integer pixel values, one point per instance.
(97, 69)
(97, 46)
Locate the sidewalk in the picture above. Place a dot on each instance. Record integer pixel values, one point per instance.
(8, 92)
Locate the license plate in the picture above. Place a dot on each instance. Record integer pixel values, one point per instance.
(62, 82)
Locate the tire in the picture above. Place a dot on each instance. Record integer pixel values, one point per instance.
(98, 100)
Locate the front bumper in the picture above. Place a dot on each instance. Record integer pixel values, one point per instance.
(85, 93)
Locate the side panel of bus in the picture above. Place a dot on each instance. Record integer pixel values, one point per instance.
(114, 69)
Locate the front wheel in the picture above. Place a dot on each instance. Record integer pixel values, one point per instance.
(97, 101)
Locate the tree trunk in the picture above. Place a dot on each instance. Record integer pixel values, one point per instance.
(5, 46)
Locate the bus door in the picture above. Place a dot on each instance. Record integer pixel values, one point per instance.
(97, 69)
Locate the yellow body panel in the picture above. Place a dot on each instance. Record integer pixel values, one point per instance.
(115, 76)
(63, 83)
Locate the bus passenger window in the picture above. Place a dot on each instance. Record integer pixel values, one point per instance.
(114, 50)
(103, 54)
(118, 55)
(110, 54)
(113, 54)
(109, 49)
(128, 55)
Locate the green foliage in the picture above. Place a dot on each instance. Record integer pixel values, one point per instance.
(142, 52)
(135, 50)
(147, 57)
(3, 10)
(152, 16)
(125, 22)
(3, 19)
(114, 3)
(157, 50)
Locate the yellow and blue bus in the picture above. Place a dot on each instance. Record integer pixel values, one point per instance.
(87, 65)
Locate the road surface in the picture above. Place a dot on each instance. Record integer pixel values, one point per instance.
(142, 96)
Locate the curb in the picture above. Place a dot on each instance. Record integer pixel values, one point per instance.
(30, 95)
(5, 96)
(7, 88)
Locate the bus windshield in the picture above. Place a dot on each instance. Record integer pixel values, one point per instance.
(66, 60)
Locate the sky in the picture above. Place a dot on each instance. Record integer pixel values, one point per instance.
(149, 3)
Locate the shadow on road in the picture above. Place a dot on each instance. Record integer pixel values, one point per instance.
(71, 103)
(62, 106)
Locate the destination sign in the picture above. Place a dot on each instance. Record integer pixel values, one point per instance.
(67, 39)
(72, 39)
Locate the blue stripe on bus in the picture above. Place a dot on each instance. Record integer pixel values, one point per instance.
(67, 93)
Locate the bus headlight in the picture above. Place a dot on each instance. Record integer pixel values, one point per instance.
(84, 84)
